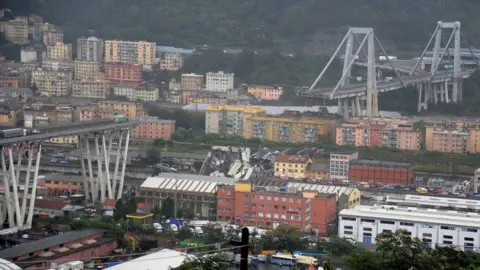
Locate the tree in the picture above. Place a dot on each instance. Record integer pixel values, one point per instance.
(184, 233)
(327, 265)
(168, 208)
(363, 260)
(284, 237)
(120, 210)
(339, 246)
(154, 155)
(203, 263)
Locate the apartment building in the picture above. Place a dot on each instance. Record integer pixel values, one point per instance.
(191, 81)
(219, 81)
(28, 54)
(265, 92)
(291, 166)
(171, 61)
(123, 74)
(207, 99)
(379, 132)
(41, 115)
(340, 164)
(90, 49)
(35, 26)
(16, 31)
(11, 115)
(152, 128)
(90, 89)
(268, 207)
(143, 93)
(130, 109)
(130, 52)
(60, 51)
(228, 119)
(460, 136)
(52, 35)
(52, 83)
(84, 69)
(54, 64)
(14, 79)
(286, 129)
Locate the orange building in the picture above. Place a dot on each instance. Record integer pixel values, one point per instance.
(267, 207)
(152, 128)
(59, 184)
(265, 92)
(123, 74)
(9, 82)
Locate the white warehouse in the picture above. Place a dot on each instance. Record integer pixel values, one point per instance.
(434, 227)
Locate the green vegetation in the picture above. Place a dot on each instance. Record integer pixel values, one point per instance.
(398, 251)
(293, 24)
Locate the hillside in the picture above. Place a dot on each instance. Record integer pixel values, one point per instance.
(292, 25)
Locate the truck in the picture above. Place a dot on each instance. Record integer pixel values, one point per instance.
(120, 118)
(14, 132)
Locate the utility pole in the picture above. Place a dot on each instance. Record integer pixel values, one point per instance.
(243, 244)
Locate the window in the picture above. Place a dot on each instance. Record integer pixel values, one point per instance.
(348, 227)
(368, 220)
(407, 224)
(447, 237)
(347, 232)
(447, 242)
(387, 222)
(427, 235)
(468, 239)
(469, 230)
(367, 229)
(447, 228)
(349, 218)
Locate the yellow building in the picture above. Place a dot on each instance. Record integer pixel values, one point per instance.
(131, 109)
(318, 171)
(227, 119)
(94, 89)
(52, 83)
(149, 95)
(64, 140)
(130, 52)
(60, 51)
(290, 166)
(85, 69)
(286, 129)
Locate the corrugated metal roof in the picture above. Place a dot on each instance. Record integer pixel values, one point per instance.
(322, 188)
(186, 182)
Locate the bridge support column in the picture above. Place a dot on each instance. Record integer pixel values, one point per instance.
(423, 97)
(358, 106)
(106, 184)
(444, 87)
(16, 207)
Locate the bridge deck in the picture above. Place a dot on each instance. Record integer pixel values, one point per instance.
(71, 131)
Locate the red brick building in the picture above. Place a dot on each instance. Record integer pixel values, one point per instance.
(387, 173)
(123, 74)
(70, 246)
(266, 207)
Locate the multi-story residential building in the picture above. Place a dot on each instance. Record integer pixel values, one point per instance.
(90, 49)
(340, 164)
(143, 93)
(206, 98)
(52, 83)
(291, 166)
(41, 115)
(152, 128)
(90, 89)
(174, 85)
(379, 132)
(130, 109)
(191, 81)
(457, 136)
(286, 129)
(219, 81)
(60, 51)
(318, 171)
(28, 54)
(15, 79)
(171, 61)
(384, 172)
(51, 35)
(130, 52)
(265, 92)
(41, 51)
(16, 31)
(229, 119)
(54, 64)
(84, 69)
(268, 207)
(123, 74)
(35, 26)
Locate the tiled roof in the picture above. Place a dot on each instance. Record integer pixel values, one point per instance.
(291, 159)
(323, 188)
(50, 204)
(186, 182)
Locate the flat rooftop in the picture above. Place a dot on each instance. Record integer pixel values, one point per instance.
(380, 163)
(323, 188)
(412, 214)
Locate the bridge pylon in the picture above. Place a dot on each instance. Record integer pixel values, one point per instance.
(355, 105)
(445, 91)
(16, 204)
(104, 183)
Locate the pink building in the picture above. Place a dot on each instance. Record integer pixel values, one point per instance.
(171, 61)
(187, 94)
(271, 94)
(152, 128)
(449, 140)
